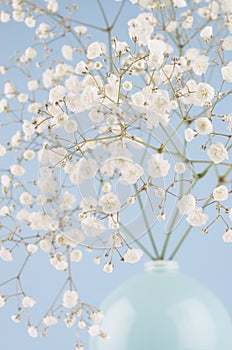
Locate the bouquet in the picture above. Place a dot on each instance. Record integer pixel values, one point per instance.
(110, 132)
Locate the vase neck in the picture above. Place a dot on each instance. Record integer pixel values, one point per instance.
(161, 265)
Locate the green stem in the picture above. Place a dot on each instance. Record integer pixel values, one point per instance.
(180, 243)
(147, 226)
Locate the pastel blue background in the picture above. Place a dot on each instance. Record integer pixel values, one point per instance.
(206, 258)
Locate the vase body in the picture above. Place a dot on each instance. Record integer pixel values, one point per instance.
(164, 309)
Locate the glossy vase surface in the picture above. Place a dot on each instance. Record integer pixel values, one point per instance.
(164, 309)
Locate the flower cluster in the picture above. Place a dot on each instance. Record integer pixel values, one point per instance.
(106, 138)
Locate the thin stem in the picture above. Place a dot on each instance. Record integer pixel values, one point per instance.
(185, 235)
(147, 226)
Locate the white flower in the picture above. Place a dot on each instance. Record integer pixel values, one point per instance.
(6, 254)
(33, 85)
(70, 126)
(207, 32)
(95, 49)
(227, 72)
(67, 52)
(33, 331)
(94, 330)
(4, 17)
(220, 193)
(4, 211)
(2, 150)
(67, 201)
(29, 154)
(28, 302)
(227, 237)
(179, 3)
(17, 170)
(76, 255)
(92, 227)
(43, 30)
(127, 85)
(70, 299)
(204, 94)
(87, 168)
(186, 204)
(5, 180)
(30, 22)
(131, 173)
(217, 153)
(32, 248)
(2, 300)
(110, 203)
(189, 134)
(197, 218)
(59, 262)
(45, 245)
(15, 318)
(50, 320)
(30, 53)
(133, 255)
(227, 43)
(203, 126)
(200, 65)
(56, 94)
(108, 267)
(26, 198)
(180, 168)
(157, 166)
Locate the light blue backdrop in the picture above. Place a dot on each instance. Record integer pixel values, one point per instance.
(207, 258)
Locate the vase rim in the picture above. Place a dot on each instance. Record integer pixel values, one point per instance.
(161, 265)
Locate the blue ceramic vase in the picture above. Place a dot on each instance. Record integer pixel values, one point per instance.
(164, 309)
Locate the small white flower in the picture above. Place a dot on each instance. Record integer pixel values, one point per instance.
(220, 193)
(95, 49)
(110, 203)
(4, 211)
(33, 331)
(45, 245)
(94, 330)
(4, 17)
(108, 267)
(227, 236)
(56, 94)
(50, 320)
(217, 153)
(32, 248)
(186, 204)
(197, 218)
(67, 52)
(70, 126)
(70, 299)
(17, 170)
(15, 318)
(133, 255)
(157, 166)
(207, 32)
(2, 300)
(203, 126)
(26, 198)
(227, 73)
(33, 85)
(76, 255)
(180, 168)
(6, 254)
(2, 150)
(28, 302)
